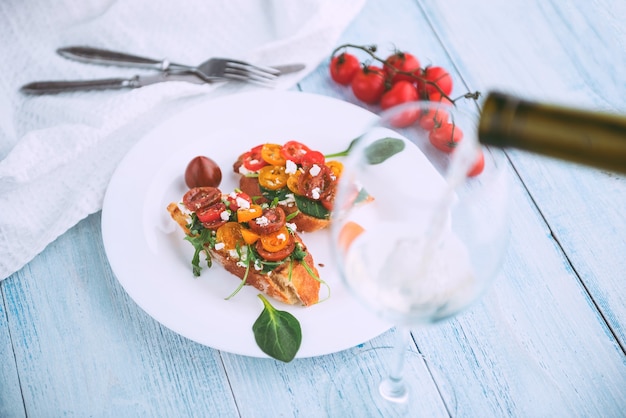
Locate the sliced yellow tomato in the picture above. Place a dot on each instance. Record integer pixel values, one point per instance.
(249, 237)
(275, 241)
(247, 214)
(230, 235)
(336, 167)
(273, 177)
(292, 181)
(272, 155)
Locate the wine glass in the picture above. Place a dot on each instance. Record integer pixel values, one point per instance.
(419, 229)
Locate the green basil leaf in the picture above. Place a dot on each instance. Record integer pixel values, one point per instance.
(277, 333)
(382, 149)
(311, 207)
(278, 195)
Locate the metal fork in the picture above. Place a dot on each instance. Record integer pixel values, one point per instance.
(210, 70)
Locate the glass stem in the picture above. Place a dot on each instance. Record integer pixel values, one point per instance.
(393, 388)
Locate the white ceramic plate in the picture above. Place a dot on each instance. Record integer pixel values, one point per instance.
(151, 260)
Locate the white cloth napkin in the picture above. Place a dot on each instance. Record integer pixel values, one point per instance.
(57, 153)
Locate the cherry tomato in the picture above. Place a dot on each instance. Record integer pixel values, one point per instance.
(252, 160)
(211, 217)
(278, 255)
(271, 220)
(368, 84)
(313, 183)
(327, 199)
(247, 214)
(478, 166)
(202, 172)
(271, 154)
(438, 97)
(292, 182)
(343, 67)
(248, 236)
(401, 92)
(446, 137)
(311, 158)
(437, 75)
(273, 177)
(201, 197)
(401, 61)
(276, 241)
(336, 168)
(230, 235)
(238, 200)
(294, 151)
(433, 118)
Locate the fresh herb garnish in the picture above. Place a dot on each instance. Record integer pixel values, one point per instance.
(201, 239)
(377, 152)
(382, 149)
(311, 207)
(277, 333)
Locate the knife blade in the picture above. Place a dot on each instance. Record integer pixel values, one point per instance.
(50, 87)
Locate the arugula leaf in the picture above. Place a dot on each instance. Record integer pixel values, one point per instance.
(311, 207)
(200, 244)
(277, 333)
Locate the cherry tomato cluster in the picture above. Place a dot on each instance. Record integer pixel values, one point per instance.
(292, 168)
(399, 78)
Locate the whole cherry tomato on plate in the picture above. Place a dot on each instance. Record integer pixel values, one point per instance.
(368, 84)
(343, 67)
(401, 61)
(202, 172)
(446, 137)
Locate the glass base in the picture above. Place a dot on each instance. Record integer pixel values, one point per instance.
(359, 388)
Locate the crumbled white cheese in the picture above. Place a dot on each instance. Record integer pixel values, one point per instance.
(262, 221)
(257, 265)
(281, 237)
(243, 170)
(292, 226)
(315, 170)
(291, 167)
(225, 215)
(242, 203)
(233, 253)
(315, 193)
(219, 246)
(289, 198)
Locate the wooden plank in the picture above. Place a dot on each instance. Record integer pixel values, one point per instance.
(11, 404)
(552, 60)
(84, 348)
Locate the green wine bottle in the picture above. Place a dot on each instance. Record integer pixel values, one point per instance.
(592, 138)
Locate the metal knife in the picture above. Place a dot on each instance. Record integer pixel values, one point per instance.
(91, 55)
(47, 87)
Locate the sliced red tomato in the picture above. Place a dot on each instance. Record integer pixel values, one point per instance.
(253, 160)
(277, 255)
(247, 214)
(237, 200)
(294, 151)
(313, 182)
(271, 154)
(311, 158)
(343, 67)
(201, 197)
(271, 220)
(211, 217)
(446, 137)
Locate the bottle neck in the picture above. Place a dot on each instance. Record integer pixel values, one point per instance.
(592, 138)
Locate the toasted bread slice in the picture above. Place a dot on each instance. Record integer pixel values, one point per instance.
(291, 282)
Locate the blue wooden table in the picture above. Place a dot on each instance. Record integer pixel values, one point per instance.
(548, 339)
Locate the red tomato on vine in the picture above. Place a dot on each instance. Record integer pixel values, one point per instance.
(368, 84)
(438, 76)
(401, 61)
(343, 67)
(446, 137)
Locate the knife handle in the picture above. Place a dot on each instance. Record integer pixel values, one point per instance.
(102, 56)
(46, 87)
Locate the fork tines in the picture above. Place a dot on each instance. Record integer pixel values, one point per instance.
(240, 70)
